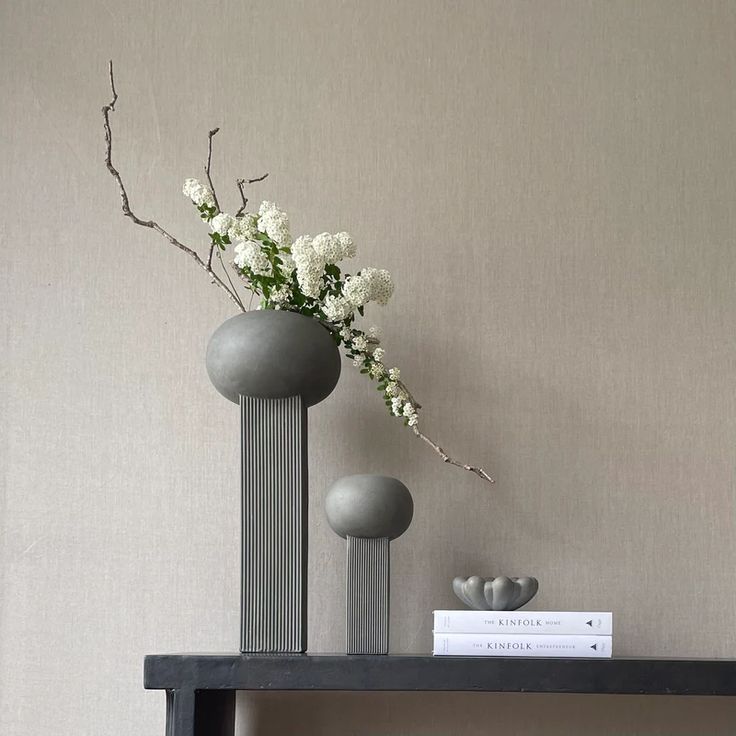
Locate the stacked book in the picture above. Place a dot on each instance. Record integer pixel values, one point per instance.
(522, 634)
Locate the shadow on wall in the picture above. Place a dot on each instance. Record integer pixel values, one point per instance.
(399, 714)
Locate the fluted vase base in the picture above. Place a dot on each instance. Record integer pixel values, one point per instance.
(274, 564)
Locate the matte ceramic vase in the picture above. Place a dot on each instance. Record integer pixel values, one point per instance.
(368, 511)
(274, 365)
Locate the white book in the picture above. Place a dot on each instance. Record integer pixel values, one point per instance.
(523, 622)
(521, 645)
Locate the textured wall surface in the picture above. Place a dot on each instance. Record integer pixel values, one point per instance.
(553, 186)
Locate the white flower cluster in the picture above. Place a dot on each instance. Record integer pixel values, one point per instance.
(334, 248)
(310, 257)
(377, 370)
(369, 285)
(222, 223)
(367, 354)
(336, 308)
(249, 254)
(400, 404)
(281, 295)
(310, 266)
(288, 264)
(243, 228)
(275, 223)
(360, 344)
(198, 193)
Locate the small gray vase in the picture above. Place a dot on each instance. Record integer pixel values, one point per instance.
(274, 364)
(368, 511)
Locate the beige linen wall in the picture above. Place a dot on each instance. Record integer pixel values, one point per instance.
(552, 185)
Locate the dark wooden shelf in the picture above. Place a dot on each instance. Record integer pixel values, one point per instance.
(200, 672)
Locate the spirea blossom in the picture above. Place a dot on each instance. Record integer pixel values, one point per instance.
(198, 193)
(369, 285)
(360, 343)
(337, 309)
(309, 278)
(301, 249)
(274, 222)
(394, 374)
(346, 245)
(249, 255)
(378, 354)
(287, 263)
(377, 370)
(328, 247)
(243, 228)
(222, 223)
(357, 290)
(410, 412)
(382, 287)
(281, 294)
(310, 266)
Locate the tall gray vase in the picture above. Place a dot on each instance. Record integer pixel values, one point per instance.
(275, 365)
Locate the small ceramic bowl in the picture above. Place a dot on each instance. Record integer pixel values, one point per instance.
(495, 594)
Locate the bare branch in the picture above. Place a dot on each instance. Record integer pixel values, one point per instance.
(151, 224)
(450, 460)
(207, 167)
(210, 136)
(241, 188)
(229, 280)
(243, 198)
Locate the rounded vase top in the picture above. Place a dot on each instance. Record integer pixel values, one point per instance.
(369, 506)
(273, 354)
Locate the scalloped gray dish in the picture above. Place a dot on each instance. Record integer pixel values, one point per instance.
(495, 594)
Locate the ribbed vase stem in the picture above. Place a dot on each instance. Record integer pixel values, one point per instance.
(274, 525)
(367, 598)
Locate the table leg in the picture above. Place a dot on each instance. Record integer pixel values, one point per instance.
(200, 712)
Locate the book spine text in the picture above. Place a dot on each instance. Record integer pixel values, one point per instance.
(521, 645)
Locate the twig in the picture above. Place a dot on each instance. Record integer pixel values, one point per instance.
(207, 166)
(210, 136)
(450, 460)
(207, 169)
(152, 224)
(241, 188)
(229, 280)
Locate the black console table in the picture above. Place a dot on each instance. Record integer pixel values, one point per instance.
(200, 688)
